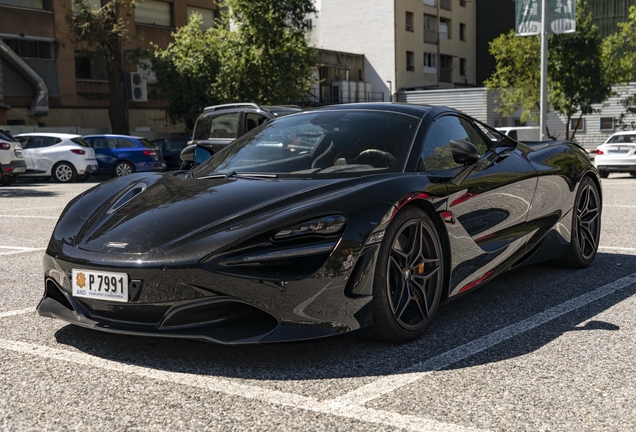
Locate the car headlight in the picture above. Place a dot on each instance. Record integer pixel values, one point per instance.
(324, 226)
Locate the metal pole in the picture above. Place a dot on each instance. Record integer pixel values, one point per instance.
(390, 91)
(544, 71)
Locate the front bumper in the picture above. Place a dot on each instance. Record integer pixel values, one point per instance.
(195, 303)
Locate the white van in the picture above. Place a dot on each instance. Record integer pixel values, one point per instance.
(521, 133)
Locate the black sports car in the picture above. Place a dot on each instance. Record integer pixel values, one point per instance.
(320, 223)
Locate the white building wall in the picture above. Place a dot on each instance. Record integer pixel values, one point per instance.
(360, 27)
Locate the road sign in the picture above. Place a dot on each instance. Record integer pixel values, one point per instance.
(561, 17)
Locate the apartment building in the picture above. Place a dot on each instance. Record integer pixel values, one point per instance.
(46, 80)
(407, 44)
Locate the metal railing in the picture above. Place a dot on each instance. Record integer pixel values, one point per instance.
(330, 96)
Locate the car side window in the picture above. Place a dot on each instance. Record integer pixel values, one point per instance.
(124, 143)
(436, 152)
(253, 120)
(224, 126)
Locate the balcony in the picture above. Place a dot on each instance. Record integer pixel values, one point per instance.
(430, 36)
(446, 75)
(446, 4)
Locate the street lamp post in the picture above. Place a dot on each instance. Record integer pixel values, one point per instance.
(390, 91)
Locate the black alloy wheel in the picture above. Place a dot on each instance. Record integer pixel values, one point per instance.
(408, 278)
(586, 226)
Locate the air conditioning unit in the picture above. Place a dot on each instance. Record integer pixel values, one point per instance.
(138, 87)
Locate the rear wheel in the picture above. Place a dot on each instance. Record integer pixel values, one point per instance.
(408, 278)
(603, 173)
(122, 169)
(63, 172)
(586, 226)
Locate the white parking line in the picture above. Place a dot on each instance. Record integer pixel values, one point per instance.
(230, 387)
(393, 382)
(617, 248)
(29, 217)
(35, 208)
(17, 312)
(18, 250)
(618, 205)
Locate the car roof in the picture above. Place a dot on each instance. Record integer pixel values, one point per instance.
(403, 108)
(113, 136)
(49, 134)
(632, 132)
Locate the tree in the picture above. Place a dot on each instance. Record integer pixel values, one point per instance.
(578, 73)
(187, 71)
(104, 30)
(256, 52)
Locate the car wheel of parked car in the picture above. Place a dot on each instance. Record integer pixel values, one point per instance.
(603, 173)
(122, 169)
(586, 226)
(7, 180)
(63, 172)
(408, 278)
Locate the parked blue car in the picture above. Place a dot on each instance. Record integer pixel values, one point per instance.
(119, 155)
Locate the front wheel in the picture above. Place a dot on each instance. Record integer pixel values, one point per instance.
(408, 278)
(122, 169)
(63, 172)
(586, 226)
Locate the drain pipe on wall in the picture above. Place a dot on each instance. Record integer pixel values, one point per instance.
(40, 103)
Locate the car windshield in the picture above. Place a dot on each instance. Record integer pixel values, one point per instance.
(622, 139)
(319, 142)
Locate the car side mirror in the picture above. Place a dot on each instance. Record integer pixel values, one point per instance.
(195, 154)
(464, 152)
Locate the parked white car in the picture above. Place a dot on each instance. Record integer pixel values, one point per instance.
(617, 154)
(64, 157)
(11, 160)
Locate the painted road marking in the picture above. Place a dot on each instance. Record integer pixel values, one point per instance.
(388, 384)
(18, 250)
(30, 217)
(229, 387)
(617, 248)
(17, 312)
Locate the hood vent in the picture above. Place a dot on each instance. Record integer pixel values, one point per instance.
(127, 197)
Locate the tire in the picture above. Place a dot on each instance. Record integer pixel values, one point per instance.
(586, 226)
(122, 169)
(603, 174)
(7, 180)
(408, 278)
(63, 172)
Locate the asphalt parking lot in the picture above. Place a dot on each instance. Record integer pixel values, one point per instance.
(541, 348)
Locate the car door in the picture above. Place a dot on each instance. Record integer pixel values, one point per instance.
(104, 152)
(488, 202)
(28, 145)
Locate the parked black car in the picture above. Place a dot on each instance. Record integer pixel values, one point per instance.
(171, 148)
(321, 223)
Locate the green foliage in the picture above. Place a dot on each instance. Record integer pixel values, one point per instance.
(580, 72)
(187, 71)
(256, 52)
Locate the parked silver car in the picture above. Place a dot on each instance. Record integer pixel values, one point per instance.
(64, 157)
(12, 162)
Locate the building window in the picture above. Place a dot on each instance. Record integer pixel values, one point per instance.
(607, 123)
(154, 13)
(462, 3)
(577, 124)
(462, 67)
(444, 28)
(409, 61)
(90, 66)
(430, 28)
(462, 31)
(446, 4)
(430, 63)
(446, 68)
(31, 48)
(430, 2)
(207, 14)
(409, 21)
(30, 4)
